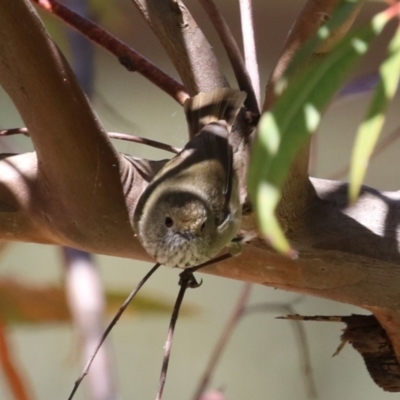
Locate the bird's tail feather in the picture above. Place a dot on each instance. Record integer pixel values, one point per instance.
(207, 107)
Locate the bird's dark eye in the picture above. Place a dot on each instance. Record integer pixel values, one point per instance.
(168, 222)
(203, 226)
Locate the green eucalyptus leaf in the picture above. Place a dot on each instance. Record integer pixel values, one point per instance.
(341, 14)
(296, 114)
(370, 128)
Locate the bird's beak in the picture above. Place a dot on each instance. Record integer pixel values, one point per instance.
(188, 235)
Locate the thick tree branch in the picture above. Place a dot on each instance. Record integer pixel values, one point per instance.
(185, 44)
(196, 64)
(79, 176)
(346, 254)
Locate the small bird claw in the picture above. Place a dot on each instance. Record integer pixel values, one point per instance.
(187, 278)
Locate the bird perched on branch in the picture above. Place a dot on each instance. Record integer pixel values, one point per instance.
(191, 209)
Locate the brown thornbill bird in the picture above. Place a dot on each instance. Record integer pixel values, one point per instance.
(191, 209)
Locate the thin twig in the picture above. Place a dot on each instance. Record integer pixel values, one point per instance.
(189, 271)
(224, 339)
(112, 135)
(234, 54)
(249, 45)
(147, 142)
(14, 131)
(109, 328)
(132, 60)
(186, 281)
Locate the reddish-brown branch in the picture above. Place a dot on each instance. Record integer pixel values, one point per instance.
(128, 57)
(10, 370)
(74, 160)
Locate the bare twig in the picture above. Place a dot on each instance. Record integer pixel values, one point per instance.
(190, 271)
(128, 57)
(14, 131)
(112, 135)
(249, 45)
(147, 142)
(187, 280)
(109, 328)
(232, 49)
(223, 340)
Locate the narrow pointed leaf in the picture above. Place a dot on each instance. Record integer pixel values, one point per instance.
(370, 128)
(344, 9)
(285, 128)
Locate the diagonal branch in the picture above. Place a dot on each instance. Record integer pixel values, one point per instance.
(185, 44)
(132, 60)
(111, 135)
(235, 57)
(78, 175)
(196, 64)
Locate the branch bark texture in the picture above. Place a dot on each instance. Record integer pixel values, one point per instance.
(185, 44)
